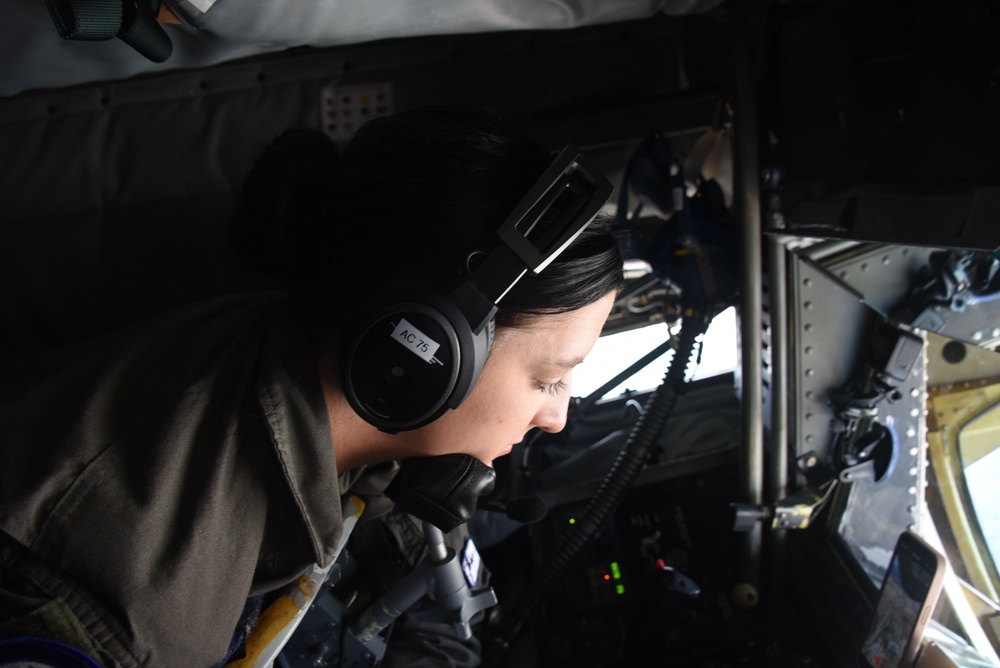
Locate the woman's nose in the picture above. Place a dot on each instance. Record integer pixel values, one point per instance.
(551, 416)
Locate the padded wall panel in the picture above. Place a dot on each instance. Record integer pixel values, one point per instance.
(35, 57)
(116, 194)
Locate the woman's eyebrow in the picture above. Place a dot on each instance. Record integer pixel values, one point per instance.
(565, 363)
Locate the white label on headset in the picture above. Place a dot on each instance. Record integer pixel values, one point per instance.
(416, 341)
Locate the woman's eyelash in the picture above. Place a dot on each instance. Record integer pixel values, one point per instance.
(553, 388)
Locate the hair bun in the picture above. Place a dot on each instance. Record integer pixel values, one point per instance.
(283, 199)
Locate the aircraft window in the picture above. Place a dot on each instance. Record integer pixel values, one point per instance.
(614, 352)
(979, 450)
(963, 447)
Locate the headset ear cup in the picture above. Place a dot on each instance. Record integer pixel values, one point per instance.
(412, 360)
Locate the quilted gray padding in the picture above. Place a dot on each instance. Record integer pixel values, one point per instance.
(35, 57)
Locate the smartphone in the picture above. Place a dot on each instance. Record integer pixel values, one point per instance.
(909, 592)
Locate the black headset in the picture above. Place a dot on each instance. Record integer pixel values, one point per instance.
(422, 350)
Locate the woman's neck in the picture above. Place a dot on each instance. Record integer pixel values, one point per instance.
(355, 442)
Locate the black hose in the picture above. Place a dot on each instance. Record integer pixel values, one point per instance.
(612, 489)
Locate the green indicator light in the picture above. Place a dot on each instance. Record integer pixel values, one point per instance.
(616, 572)
(620, 589)
(572, 520)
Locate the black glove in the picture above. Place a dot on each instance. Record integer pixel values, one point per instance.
(441, 490)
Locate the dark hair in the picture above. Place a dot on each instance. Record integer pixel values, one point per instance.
(415, 192)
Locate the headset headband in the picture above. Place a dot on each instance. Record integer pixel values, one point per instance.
(557, 208)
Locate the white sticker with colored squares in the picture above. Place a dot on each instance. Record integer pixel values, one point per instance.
(346, 108)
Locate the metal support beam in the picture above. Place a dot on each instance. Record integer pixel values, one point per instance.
(777, 282)
(746, 200)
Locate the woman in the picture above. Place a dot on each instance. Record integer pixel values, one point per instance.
(157, 479)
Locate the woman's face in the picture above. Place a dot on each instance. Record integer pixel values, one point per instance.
(525, 384)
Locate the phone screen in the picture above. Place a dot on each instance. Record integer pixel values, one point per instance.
(904, 593)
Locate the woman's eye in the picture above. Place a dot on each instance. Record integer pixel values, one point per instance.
(555, 388)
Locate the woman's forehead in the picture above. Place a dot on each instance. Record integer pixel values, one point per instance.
(564, 338)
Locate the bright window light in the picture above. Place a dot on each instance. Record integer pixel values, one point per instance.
(615, 352)
(981, 477)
